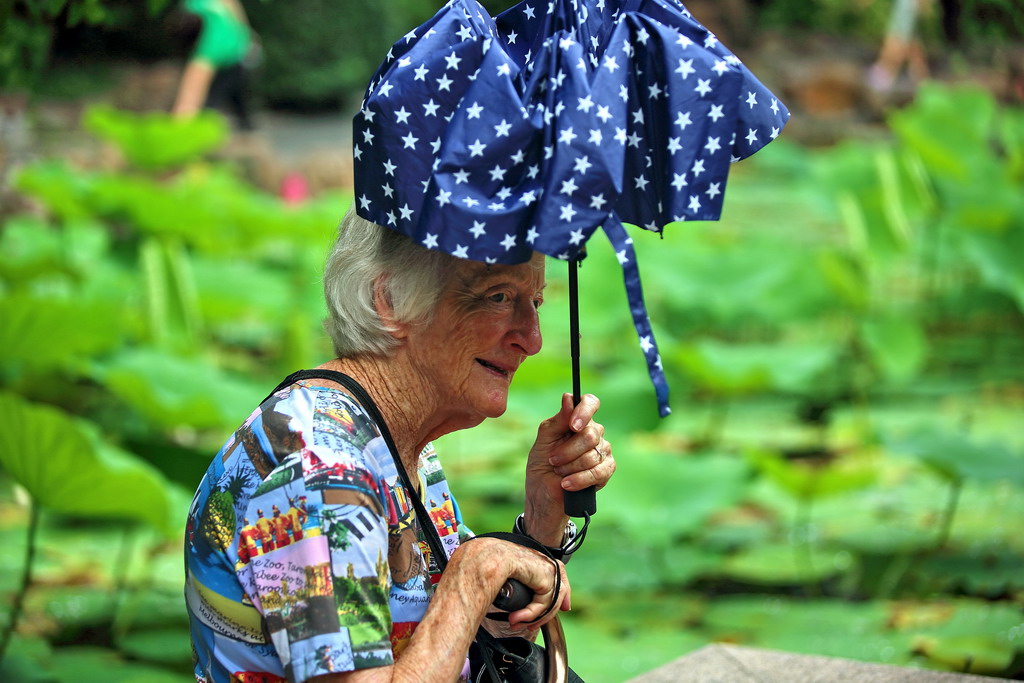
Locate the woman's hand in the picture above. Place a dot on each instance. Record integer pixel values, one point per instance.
(570, 454)
(496, 560)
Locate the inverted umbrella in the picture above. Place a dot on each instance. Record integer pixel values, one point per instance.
(490, 138)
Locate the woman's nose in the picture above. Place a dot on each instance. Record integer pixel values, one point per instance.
(527, 329)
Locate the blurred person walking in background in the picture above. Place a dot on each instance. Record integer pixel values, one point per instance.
(900, 47)
(216, 75)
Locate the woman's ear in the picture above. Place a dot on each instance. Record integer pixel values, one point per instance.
(385, 308)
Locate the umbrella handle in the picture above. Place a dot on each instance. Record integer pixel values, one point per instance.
(577, 503)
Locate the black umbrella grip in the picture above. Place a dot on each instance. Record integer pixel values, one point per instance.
(580, 503)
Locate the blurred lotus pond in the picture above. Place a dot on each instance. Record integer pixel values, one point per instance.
(843, 473)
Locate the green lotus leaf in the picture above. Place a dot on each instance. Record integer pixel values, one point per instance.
(679, 494)
(172, 391)
(897, 346)
(44, 333)
(956, 456)
(156, 140)
(782, 564)
(66, 467)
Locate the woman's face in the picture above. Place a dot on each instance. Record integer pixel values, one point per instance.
(484, 326)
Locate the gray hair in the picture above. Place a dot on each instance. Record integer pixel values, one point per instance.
(412, 278)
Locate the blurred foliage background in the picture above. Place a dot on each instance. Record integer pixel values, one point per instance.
(843, 473)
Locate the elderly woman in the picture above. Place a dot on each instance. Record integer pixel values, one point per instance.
(305, 558)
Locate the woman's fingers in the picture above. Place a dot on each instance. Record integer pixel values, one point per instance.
(594, 468)
(578, 445)
(546, 603)
(583, 413)
(569, 418)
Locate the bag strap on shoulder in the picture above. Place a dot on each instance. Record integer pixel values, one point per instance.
(366, 401)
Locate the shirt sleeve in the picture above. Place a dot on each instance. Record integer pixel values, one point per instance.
(317, 569)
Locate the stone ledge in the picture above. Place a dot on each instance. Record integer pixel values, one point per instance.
(732, 664)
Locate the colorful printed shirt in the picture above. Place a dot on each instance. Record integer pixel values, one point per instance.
(303, 552)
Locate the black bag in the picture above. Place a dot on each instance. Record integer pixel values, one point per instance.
(491, 659)
(510, 660)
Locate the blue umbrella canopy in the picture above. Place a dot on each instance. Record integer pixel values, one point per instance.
(490, 138)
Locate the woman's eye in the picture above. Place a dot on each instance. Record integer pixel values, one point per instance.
(499, 298)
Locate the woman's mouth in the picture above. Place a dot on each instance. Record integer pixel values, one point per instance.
(492, 367)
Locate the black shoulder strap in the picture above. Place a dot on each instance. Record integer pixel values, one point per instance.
(359, 393)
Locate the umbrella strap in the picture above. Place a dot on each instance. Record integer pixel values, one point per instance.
(624, 251)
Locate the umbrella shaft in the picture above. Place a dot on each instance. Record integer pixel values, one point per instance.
(574, 329)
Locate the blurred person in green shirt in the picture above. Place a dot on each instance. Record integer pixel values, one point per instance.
(215, 76)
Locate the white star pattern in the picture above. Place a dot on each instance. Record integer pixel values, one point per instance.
(477, 149)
